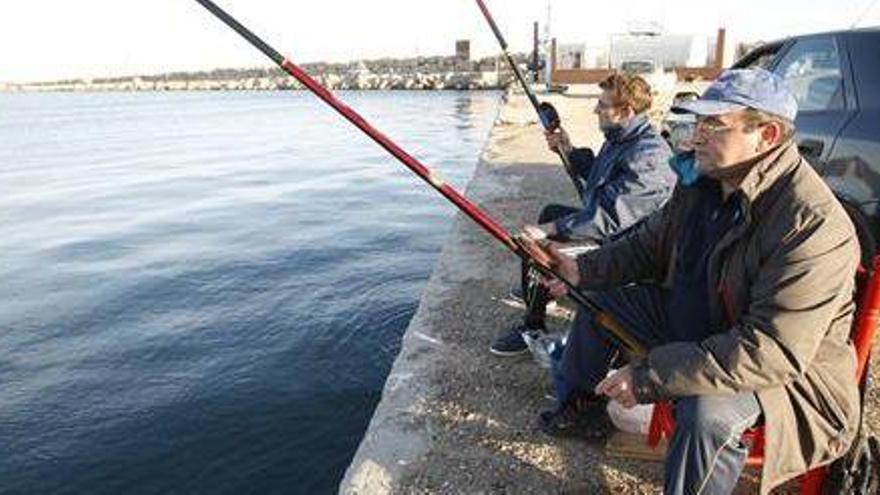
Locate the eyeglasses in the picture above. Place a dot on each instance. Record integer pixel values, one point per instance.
(712, 126)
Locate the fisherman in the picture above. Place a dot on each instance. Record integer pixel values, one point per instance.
(626, 181)
(743, 295)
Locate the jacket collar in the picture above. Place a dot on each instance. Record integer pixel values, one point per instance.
(629, 129)
(776, 163)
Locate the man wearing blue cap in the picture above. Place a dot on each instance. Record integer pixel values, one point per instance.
(741, 288)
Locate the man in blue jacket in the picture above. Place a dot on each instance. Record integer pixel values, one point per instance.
(626, 181)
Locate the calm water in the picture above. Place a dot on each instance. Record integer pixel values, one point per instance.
(204, 292)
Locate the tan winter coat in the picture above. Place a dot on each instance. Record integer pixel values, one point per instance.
(784, 279)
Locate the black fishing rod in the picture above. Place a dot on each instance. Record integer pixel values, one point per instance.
(524, 247)
(547, 114)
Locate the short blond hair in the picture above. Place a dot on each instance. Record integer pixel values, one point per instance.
(628, 90)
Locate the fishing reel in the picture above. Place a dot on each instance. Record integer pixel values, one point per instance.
(549, 116)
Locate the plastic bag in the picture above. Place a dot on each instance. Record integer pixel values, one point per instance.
(634, 420)
(544, 348)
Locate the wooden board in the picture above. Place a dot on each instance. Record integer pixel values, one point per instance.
(634, 446)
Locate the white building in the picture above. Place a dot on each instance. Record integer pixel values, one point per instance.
(572, 56)
(665, 50)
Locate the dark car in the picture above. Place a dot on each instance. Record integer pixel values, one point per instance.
(836, 80)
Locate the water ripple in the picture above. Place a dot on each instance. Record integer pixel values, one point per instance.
(203, 292)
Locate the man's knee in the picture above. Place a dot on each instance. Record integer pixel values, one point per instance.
(712, 415)
(553, 212)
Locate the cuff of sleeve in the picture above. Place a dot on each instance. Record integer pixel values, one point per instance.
(644, 384)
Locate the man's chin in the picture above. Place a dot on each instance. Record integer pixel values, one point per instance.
(705, 165)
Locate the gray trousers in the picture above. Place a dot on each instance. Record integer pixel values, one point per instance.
(705, 455)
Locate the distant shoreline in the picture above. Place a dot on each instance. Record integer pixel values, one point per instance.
(422, 73)
(221, 86)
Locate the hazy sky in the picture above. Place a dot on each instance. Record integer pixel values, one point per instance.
(53, 39)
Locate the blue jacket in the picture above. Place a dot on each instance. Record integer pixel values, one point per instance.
(629, 179)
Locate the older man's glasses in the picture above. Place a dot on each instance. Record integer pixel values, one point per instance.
(713, 125)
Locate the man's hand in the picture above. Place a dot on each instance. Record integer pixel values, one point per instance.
(619, 387)
(565, 266)
(558, 141)
(534, 232)
(539, 232)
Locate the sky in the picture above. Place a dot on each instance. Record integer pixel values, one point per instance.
(58, 39)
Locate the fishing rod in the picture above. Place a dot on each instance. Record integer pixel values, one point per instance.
(524, 247)
(547, 114)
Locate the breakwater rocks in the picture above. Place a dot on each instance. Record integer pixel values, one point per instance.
(421, 73)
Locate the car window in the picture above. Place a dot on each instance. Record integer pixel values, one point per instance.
(811, 68)
(637, 67)
(761, 57)
(763, 61)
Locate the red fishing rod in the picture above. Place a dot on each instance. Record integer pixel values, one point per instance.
(523, 247)
(546, 113)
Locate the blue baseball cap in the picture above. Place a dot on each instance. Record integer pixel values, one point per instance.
(737, 89)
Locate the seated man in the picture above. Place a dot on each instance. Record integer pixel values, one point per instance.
(743, 298)
(626, 181)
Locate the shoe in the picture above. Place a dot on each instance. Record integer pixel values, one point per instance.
(582, 416)
(511, 343)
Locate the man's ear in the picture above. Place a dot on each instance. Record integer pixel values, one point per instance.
(771, 134)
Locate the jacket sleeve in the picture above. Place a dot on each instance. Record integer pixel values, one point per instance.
(639, 255)
(638, 184)
(801, 287)
(581, 160)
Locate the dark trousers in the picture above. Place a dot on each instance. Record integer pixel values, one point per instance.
(536, 295)
(705, 455)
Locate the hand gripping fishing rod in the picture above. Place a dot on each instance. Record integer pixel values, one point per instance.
(525, 248)
(546, 113)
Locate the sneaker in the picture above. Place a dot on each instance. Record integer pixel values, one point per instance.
(511, 343)
(581, 416)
